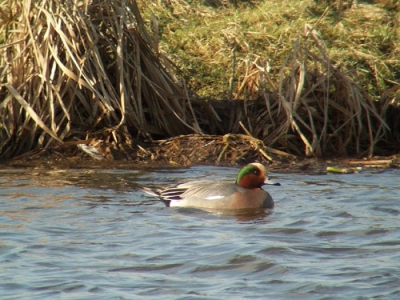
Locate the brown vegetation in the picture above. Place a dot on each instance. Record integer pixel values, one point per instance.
(89, 71)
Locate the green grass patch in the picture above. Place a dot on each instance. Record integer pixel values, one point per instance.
(213, 45)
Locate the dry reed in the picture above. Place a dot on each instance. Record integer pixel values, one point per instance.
(316, 106)
(74, 67)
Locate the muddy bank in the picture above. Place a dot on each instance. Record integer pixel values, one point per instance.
(189, 150)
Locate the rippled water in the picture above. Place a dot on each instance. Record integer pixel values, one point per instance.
(91, 234)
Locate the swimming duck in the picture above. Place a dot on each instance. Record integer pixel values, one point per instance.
(245, 193)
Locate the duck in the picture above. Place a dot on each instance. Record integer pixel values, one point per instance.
(245, 193)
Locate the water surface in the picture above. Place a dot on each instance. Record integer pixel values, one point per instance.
(92, 234)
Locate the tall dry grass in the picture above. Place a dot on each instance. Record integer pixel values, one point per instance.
(72, 67)
(316, 109)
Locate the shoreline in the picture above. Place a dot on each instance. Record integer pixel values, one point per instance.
(160, 154)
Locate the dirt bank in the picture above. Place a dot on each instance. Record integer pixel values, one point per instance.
(188, 150)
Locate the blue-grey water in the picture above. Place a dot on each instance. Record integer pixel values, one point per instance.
(92, 234)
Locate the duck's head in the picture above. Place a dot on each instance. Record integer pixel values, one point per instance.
(253, 176)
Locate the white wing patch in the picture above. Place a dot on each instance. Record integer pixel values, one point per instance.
(214, 197)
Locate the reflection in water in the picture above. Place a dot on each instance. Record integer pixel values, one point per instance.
(245, 215)
(240, 215)
(92, 234)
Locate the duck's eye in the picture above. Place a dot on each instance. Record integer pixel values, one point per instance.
(256, 172)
